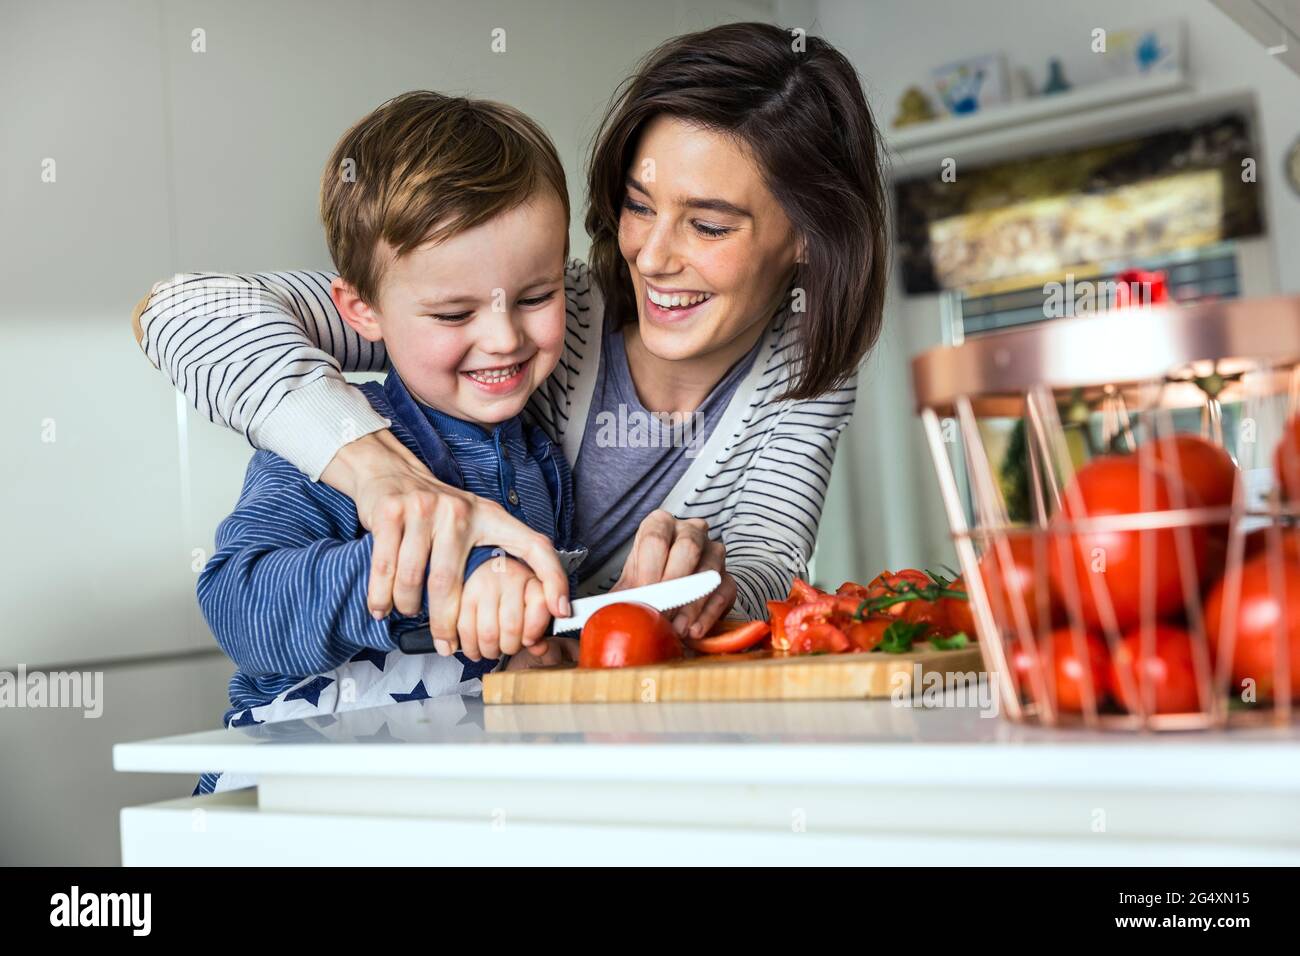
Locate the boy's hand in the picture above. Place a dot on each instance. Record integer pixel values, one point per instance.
(556, 650)
(502, 610)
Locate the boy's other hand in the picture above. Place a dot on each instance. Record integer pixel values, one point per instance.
(418, 522)
(555, 650)
(503, 610)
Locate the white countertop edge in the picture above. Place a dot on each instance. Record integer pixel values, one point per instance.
(1243, 766)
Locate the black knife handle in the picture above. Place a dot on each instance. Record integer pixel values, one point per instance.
(418, 641)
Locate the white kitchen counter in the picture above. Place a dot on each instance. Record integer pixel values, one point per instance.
(452, 781)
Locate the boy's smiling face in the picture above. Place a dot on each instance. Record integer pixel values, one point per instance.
(473, 324)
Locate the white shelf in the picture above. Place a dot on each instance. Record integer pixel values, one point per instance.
(1018, 113)
(1085, 116)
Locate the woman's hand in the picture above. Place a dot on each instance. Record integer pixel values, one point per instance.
(666, 547)
(418, 521)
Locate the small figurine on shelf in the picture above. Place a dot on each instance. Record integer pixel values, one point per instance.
(1056, 81)
(913, 108)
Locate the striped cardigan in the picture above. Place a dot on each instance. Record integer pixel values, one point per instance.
(263, 353)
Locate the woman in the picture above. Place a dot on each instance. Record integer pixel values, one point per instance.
(737, 280)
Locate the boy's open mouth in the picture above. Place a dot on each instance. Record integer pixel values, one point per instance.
(498, 380)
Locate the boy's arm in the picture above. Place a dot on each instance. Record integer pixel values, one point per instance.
(285, 592)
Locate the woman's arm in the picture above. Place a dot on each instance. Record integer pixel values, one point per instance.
(771, 530)
(264, 354)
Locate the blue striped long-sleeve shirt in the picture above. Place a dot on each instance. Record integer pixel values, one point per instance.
(285, 592)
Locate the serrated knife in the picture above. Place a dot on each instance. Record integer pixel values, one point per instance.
(663, 596)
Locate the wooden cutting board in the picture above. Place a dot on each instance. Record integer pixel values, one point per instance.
(753, 676)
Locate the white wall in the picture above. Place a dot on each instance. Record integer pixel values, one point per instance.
(170, 160)
(884, 486)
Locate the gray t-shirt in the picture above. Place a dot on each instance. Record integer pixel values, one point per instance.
(631, 458)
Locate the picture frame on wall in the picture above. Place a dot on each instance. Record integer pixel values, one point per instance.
(970, 85)
(1145, 51)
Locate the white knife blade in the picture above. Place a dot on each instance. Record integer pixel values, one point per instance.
(664, 596)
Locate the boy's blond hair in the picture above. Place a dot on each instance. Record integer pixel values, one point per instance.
(424, 167)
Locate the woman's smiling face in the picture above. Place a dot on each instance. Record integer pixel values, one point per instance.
(709, 249)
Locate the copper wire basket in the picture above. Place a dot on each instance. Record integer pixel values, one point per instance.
(1104, 384)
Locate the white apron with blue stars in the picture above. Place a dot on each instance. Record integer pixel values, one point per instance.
(371, 679)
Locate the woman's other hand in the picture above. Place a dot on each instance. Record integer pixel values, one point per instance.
(667, 547)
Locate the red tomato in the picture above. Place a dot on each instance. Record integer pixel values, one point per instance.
(1203, 466)
(1260, 541)
(731, 637)
(1168, 670)
(1021, 580)
(626, 635)
(849, 589)
(1286, 460)
(1112, 485)
(1211, 473)
(1021, 664)
(819, 638)
(1073, 673)
(1263, 612)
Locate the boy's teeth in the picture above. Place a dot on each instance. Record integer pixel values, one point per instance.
(677, 300)
(489, 376)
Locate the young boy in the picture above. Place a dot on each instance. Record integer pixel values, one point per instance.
(448, 222)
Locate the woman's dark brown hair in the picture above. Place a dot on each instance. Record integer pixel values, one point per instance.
(797, 105)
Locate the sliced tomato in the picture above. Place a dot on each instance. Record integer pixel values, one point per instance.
(801, 592)
(776, 611)
(866, 635)
(849, 589)
(898, 583)
(933, 614)
(955, 615)
(819, 638)
(741, 636)
(815, 612)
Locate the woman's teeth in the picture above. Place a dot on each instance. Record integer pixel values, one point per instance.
(493, 375)
(677, 300)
